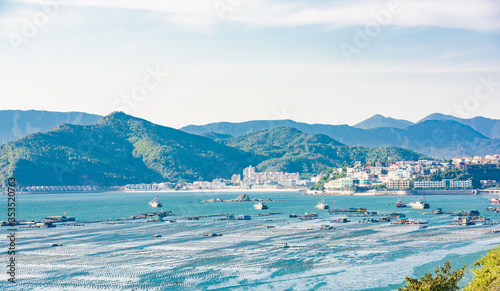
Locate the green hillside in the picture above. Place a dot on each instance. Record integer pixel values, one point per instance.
(288, 149)
(119, 149)
(434, 138)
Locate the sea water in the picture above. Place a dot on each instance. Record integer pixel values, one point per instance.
(123, 254)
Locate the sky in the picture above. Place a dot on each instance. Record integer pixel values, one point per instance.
(199, 61)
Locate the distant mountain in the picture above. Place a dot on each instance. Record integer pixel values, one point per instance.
(121, 149)
(117, 150)
(436, 138)
(486, 126)
(241, 128)
(288, 149)
(216, 136)
(377, 121)
(18, 123)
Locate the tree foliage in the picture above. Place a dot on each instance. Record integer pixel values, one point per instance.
(488, 276)
(289, 149)
(121, 149)
(445, 280)
(117, 150)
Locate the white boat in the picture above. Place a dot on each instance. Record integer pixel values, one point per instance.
(155, 202)
(322, 205)
(421, 204)
(260, 206)
(495, 201)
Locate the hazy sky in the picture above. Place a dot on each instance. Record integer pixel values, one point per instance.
(179, 62)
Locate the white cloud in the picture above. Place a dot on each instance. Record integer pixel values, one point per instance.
(478, 15)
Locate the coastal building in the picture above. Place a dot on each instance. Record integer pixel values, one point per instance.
(445, 183)
(487, 183)
(398, 184)
(236, 179)
(316, 178)
(248, 172)
(341, 183)
(365, 182)
(250, 176)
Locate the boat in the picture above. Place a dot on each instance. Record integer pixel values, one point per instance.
(495, 201)
(468, 221)
(360, 209)
(340, 220)
(322, 205)
(260, 206)
(421, 204)
(155, 202)
(435, 211)
(400, 203)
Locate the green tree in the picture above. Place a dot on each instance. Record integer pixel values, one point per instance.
(488, 276)
(445, 280)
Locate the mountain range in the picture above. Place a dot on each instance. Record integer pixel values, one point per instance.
(57, 148)
(378, 120)
(121, 149)
(18, 123)
(437, 135)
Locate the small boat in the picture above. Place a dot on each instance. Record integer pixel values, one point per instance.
(495, 201)
(260, 206)
(360, 209)
(155, 202)
(421, 204)
(340, 220)
(157, 235)
(468, 221)
(322, 205)
(400, 203)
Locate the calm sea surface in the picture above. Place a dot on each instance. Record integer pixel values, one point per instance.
(123, 255)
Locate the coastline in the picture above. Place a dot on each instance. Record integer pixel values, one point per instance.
(397, 193)
(212, 190)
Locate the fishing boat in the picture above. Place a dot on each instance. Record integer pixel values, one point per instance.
(468, 221)
(495, 201)
(360, 209)
(400, 203)
(421, 204)
(260, 206)
(155, 202)
(322, 205)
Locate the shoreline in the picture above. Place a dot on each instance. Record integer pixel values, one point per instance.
(398, 192)
(165, 191)
(212, 190)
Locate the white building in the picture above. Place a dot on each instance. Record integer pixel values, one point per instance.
(445, 183)
(341, 183)
(398, 184)
(252, 177)
(236, 179)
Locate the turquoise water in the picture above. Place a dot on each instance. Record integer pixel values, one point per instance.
(113, 205)
(123, 255)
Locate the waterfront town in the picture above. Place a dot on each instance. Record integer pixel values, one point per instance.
(387, 175)
(397, 175)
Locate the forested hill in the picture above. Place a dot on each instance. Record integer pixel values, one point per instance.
(435, 138)
(291, 150)
(121, 149)
(118, 149)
